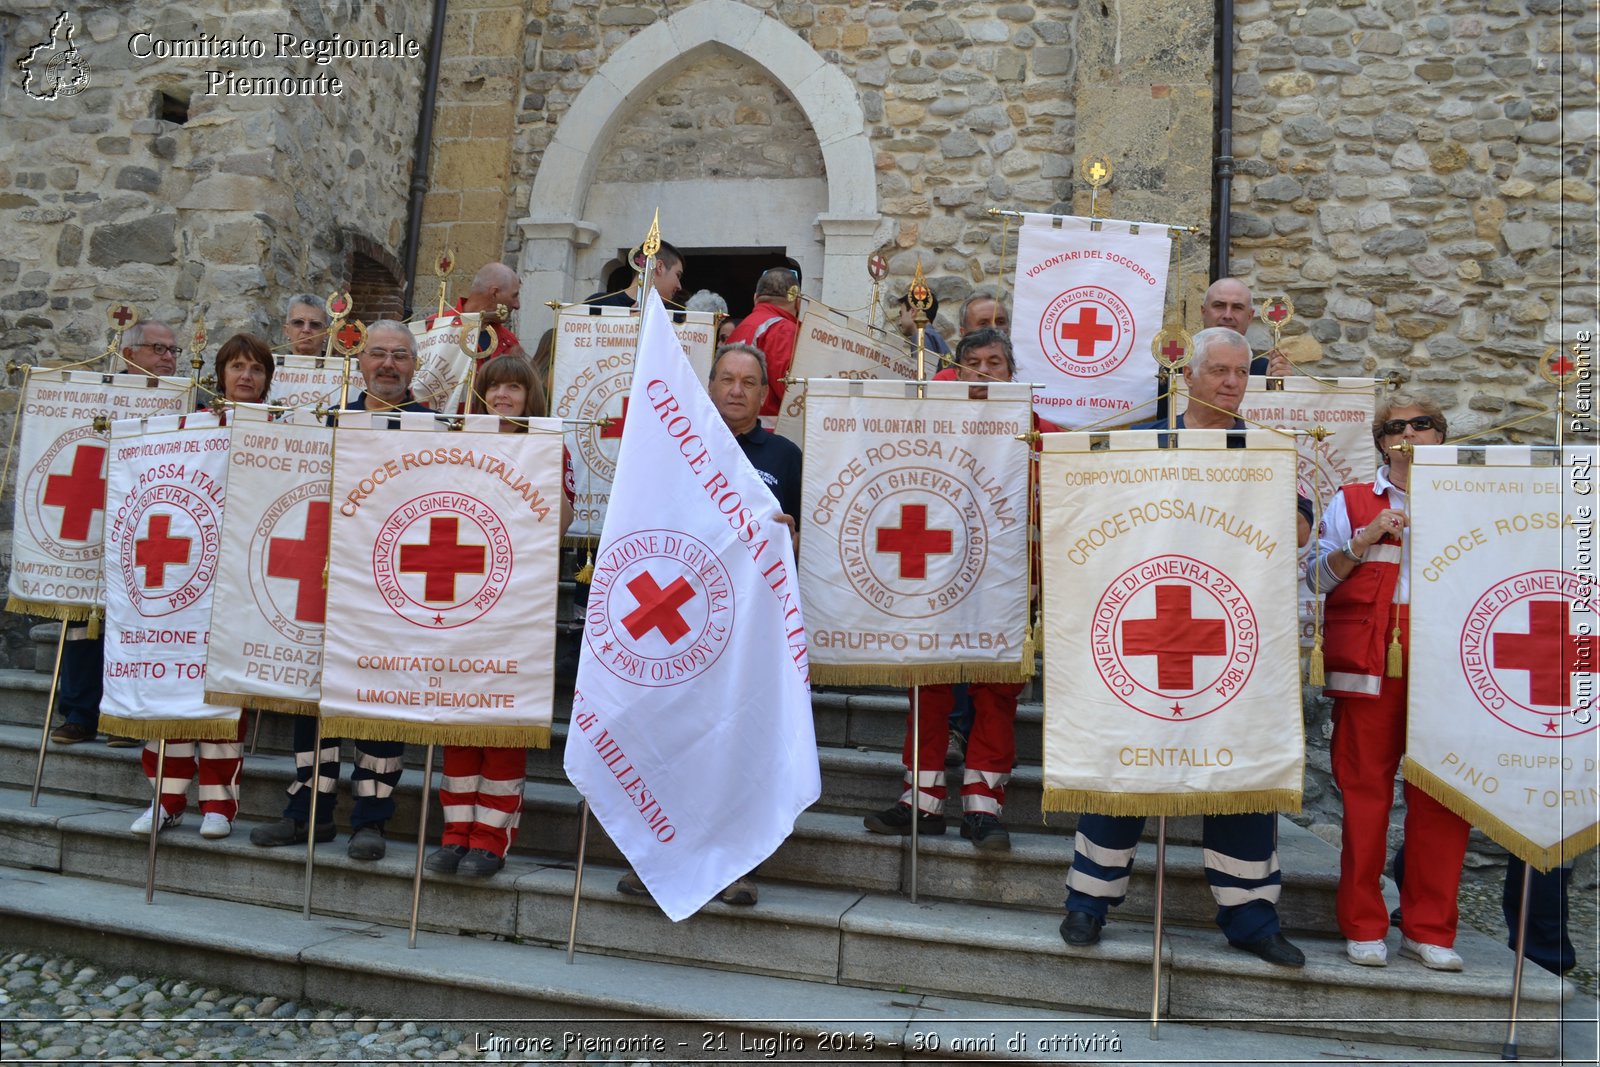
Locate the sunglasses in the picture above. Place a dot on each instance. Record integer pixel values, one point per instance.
(1418, 423)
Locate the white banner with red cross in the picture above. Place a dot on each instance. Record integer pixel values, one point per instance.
(59, 512)
(442, 580)
(916, 533)
(314, 381)
(691, 733)
(271, 601)
(1336, 450)
(831, 345)
(1171, 666)
(445, 354)
(1505, 657)
(590, 381)
(1090, 298)
(165, 495)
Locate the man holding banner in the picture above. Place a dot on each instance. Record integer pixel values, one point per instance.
(1362, 563)
(1241, 854)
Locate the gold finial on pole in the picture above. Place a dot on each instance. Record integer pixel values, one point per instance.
(652, 240)
(1097, 171)
(442, 268)
(877, 270)
(197, 344)
(122, 317)
(1277, 311)
(920, 297)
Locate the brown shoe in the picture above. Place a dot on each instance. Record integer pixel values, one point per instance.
(742, 893)
(71, 733)
(124, 742)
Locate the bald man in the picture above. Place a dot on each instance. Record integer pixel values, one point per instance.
(1227, 303)
(493, 285)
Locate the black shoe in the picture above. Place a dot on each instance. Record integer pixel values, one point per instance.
(1394, 918)
(897, 820)
(986, 832)
(632, 885)
(1080, 929)
(446, 859)
(367, 844)
(480, 863)
(288, 832)
(1274, 948)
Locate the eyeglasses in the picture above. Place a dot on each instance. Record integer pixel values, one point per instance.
(170, 350)
(1417, 422)
(399, 355)
(305, 324)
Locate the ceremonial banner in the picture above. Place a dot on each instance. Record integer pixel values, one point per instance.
(916, 543)
(271, 603)
(830, 345)
(1504, 654)
(593, 372)
(313, 381)
(1338, 451)
(442, 581)
(166, 487)
(1090, 297)
(440, 380)
(60, 500)
(691, 721)
(1170, 660)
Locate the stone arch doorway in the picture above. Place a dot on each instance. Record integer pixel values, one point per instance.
(830, 221)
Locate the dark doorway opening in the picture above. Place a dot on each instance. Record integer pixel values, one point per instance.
(729, 272)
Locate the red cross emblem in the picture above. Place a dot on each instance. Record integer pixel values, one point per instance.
(441, 559)
(158, 549)
(301, 560)
(1087, 331)
(350, 335)
(658, 607)
(1549, 652)
(913, 541)
(80, 493)
(1561, 366)
(1278, 312)
(1175, 637)
(122, 314)
(613, 427)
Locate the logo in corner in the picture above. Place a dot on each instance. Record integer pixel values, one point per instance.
(55, 68)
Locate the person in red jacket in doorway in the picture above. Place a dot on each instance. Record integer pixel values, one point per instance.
(773, 327)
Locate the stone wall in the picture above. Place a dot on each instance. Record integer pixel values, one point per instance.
(1420, 179)
(248, 200)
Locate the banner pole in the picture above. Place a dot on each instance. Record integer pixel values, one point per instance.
(1155, 961)
(311, 824)
(916, 781)
(577, 879)
(422, 840)
(255, 733)
(1509, 1050)
(49, 709)
(157, 815)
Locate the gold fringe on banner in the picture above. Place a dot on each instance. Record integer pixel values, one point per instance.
(1250, 801)
(1538, 857)
(171, 729)
(428, 733)
(286, 705)
(47, 610)
(908, 674)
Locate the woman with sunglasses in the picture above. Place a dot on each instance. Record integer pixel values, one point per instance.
(1362, 567)
(244, 374)
(481, 791)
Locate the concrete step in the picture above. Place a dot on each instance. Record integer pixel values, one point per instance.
(832, 938)
(827, 848)
(662, 1011)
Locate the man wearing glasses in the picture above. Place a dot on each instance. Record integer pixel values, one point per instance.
(387, 365)
(151, 347)
(305, 324)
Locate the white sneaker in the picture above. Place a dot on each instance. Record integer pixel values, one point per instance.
(1433, 957)
(141, 825)
(215, 824)
(1367, 953)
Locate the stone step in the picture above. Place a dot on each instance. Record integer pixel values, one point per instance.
(664, 1011)
(827, 848)
(837, 938)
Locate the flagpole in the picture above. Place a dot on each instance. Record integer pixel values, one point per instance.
(422, 840)
(1155, 962)
(49, 705)
(577, 878)
(1509, 1050)
(255, 732)
(157, 816)
(311, 824)
(920, 297)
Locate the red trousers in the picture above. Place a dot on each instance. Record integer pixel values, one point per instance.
(1369, 736)
(991, 749)
(218, 765)
(482, 796)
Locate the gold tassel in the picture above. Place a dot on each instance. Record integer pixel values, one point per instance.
(1317, 671)
(1030, 646)
(94, 624)
(586, 572)
(1395, 656)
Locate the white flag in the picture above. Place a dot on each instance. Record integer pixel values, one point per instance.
(831, 345)
(1090, 295)
(314, 381)
(440, 381)
(691, 728)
